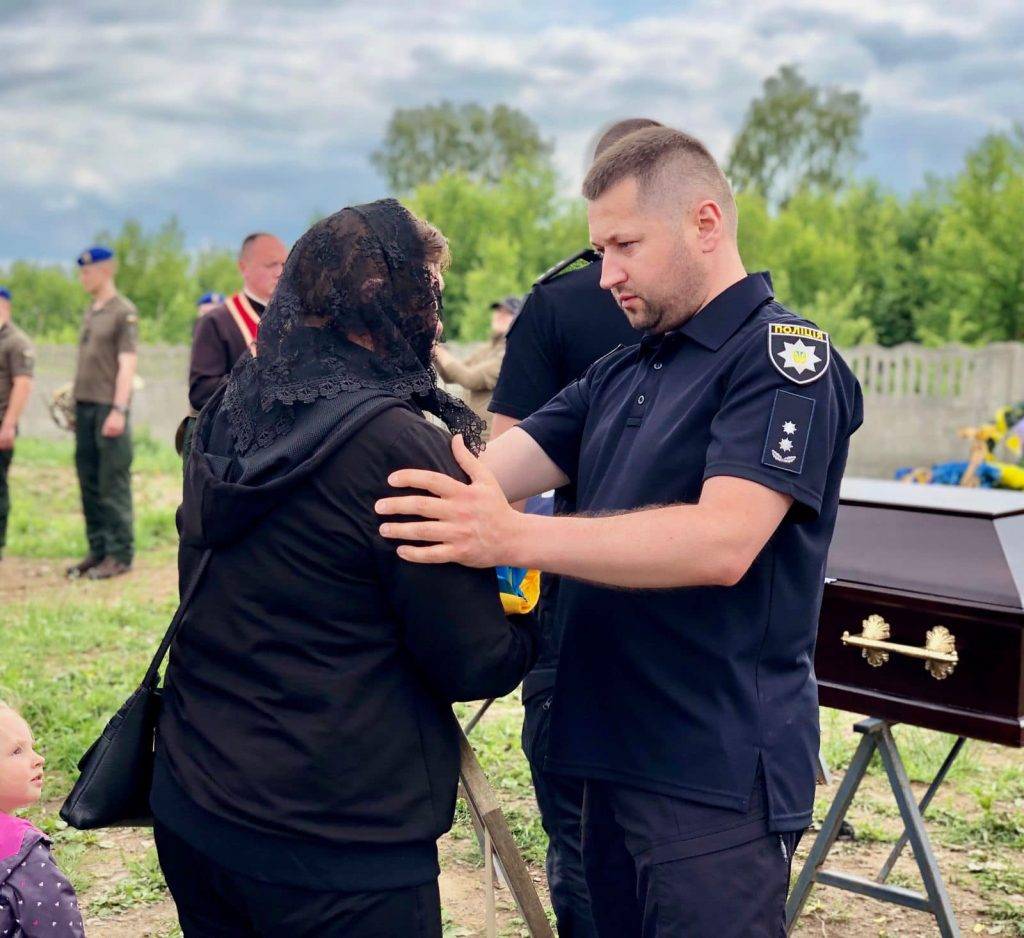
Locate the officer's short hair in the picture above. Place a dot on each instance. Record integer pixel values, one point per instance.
(248, 240)
(658, 157)
(620, 129)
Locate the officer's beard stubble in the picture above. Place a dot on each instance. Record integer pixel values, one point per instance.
(663, 308)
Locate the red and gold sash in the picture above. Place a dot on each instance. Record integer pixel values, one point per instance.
(246, 318)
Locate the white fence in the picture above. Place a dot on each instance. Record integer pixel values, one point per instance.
(915, 399)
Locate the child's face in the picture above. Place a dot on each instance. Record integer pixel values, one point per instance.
(21, 767)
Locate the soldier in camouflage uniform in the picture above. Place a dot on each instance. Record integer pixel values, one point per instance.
(17, 360)
(107, 355)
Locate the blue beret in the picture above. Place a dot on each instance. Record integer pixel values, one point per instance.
(5, 294)
(210, 298)
(94, 255)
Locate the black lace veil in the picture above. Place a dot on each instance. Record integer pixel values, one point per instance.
(356, 309)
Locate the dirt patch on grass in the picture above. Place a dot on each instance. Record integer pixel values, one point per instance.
(154, 921)
(153, 577)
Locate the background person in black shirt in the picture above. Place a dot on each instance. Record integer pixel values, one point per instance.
(567, 323)
(308, 756)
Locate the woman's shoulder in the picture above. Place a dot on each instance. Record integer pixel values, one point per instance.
(401, 436)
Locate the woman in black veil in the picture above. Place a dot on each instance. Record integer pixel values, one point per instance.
(307, 755)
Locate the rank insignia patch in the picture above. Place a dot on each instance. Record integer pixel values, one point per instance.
(800, 353)
(788, 430)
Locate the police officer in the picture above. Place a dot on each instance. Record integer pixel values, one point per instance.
(17, 361)
(567, 323)
(229, 329)
(107, 357)
(707, 461)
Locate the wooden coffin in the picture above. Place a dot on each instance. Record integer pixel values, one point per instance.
(922, 620)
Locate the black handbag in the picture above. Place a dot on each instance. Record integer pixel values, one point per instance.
(116, 772)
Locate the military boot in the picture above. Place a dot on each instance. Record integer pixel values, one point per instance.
(81, 568)
(110, 566)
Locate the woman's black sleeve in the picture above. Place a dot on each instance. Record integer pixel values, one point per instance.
(453, 622)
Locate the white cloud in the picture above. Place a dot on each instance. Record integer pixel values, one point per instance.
(109, 106)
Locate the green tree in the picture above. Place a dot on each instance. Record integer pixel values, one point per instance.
(814, 266)
(216, 270)
(47, 300)
(423, 144)
(502, 237)
(154, 272)
(976, 259)
(796, 135)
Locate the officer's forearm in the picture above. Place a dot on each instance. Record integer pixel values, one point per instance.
(501, 424)
(126, 362)
(21, 387)
(521, 467)
(712, 543)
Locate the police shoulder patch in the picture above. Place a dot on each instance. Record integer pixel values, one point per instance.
(789, 428)
(800, 353)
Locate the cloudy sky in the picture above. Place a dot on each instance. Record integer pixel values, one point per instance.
(255, 114)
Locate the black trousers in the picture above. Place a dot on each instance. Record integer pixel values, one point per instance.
(662, 867)
(560, 800)
(215, 902)
(6, 455)
(104, 466)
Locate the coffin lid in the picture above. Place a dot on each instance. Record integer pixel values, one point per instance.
(937, 540)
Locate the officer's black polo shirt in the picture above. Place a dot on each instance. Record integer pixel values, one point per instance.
(682, 691)
(566, 325)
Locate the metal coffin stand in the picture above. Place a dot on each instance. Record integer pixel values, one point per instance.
(932, 574)
(878, 737)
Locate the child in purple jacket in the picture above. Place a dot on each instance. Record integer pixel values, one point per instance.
(36, 899)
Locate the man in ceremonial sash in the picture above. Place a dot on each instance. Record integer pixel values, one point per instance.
(224, 333)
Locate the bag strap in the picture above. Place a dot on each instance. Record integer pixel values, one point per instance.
(153, 674)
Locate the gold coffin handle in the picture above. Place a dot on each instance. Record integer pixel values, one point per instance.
(939, 652)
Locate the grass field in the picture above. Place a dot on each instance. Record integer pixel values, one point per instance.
(71, 652)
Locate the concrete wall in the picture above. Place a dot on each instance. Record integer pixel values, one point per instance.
(159, 406)
(915, 398)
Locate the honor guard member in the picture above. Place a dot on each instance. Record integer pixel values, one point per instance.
(205, 303)
(567, 323)
(707, 462)
(17, 361)
(228, 330)
(102, 389)
(478, 373)
(209, 301)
